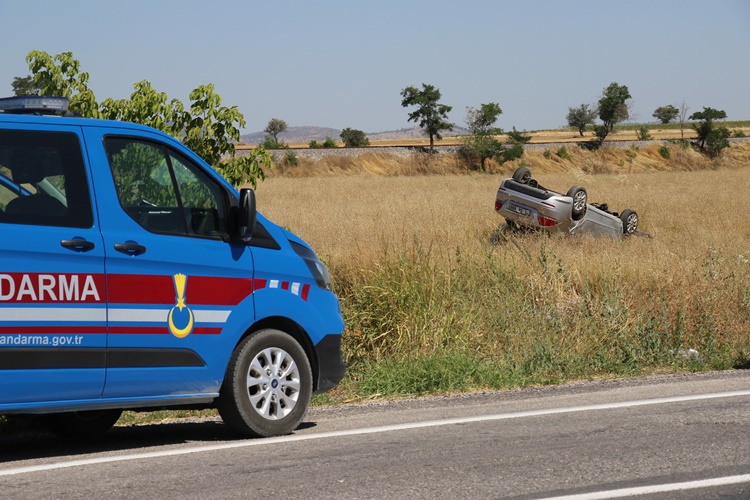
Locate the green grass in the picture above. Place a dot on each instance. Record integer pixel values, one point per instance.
(417, 326)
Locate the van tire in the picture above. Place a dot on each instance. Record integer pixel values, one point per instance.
(267, 386)
(81, 423)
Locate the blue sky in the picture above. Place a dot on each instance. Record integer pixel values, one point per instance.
(343, 63)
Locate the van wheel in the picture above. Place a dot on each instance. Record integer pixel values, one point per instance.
(81, 423)
(267, 387)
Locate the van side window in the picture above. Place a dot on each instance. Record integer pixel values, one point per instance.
(43, 180)
(165, 192)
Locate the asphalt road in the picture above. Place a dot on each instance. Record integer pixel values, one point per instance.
(663, 437)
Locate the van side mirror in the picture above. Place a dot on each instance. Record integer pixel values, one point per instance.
(248, 214)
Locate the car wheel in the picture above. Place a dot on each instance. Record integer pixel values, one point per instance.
(629, 220)
(267, 387)
(580, 199)
(522, 175)
(81, 423)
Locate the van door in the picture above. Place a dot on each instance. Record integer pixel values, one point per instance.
(52, 286)
(179, 295)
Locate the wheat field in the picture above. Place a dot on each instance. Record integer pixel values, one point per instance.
(422, 267)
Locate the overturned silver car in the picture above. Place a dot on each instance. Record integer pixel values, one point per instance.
(525, 203)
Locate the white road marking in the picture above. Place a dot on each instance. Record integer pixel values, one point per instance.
(368, 430)
(657, 488)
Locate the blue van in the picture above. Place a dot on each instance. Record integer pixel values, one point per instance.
(133, 276)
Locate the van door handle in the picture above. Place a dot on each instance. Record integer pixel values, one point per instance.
(78, 244)
(130, 248)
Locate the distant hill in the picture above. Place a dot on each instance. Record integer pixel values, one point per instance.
(294, 135)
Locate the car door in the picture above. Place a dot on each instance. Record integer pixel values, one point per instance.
(179, 295)
(52, 285)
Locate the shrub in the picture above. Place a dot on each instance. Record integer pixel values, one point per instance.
(642, 133)
(329, 143)
(270, 143)
(547, 154)
(354, 138)
(563, 153)
(665, 152)
(290, 159)
(631, 154)
(469, 157)
(739, 133)
(314, 144)
(512, 153)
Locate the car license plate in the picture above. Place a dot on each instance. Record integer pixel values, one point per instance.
(519, 210)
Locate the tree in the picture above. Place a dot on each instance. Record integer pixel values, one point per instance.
(712, 139)
(517, 140)
(61, 75)
(482, 143)
(430, 114)
(682, 116)
(148, 107)
(206, 127)
(613, 109)
(516, 137)
(580, 117)
(274, 128)
(24, 86)
(666, 114)
(354, 138)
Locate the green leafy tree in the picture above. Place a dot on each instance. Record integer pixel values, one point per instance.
(61, 75)
(482, 143)
(354, 138)
(712, 139)
(429, 113)
(613, 109)
(666, 114)
(580, 117)
(148, 107)
(516, 137)
(206, 127)
(517, 140)
(274, 128)
(24, 86)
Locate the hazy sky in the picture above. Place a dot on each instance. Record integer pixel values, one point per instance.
(343, 63)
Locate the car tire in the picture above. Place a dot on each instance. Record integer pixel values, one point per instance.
(629, 220)
(580, 201)
(522, 175)
(267, 386)
(81, 423)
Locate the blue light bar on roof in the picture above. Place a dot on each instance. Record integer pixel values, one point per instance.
(29, 104)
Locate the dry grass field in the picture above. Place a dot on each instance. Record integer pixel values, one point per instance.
(423, 269)
(561, 135)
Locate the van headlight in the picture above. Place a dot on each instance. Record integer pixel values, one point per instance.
(319, 270)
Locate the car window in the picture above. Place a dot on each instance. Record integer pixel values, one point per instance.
(163, 191)
(43, 180)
